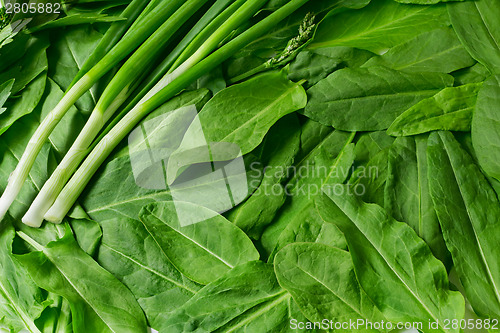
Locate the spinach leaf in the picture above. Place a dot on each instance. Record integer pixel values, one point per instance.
(241, 115)
(315, 65)
(5, 91)
(438, 51)
(24, 104)
(28, 67)
(21, 301)
(369, 99)
(450, 109)
(278, 151)
(379, 26)
(469, 214)
(99, 302)
(114, 188)
(407, 195)
(132, 254)
(474, 74)
(194, 238)
(326, 165)
(476, 24)
(368, 180)
(486, 127)
(246, 299)
(67, 55)
(412, 285)
(311, 272)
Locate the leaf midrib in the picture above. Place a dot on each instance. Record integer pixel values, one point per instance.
(285, 295)
(21, 314)
(480, 248)
(194, 241)
(149, 269)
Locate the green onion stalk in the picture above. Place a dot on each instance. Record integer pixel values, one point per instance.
(122, 49)
(113, 96)
(175, 84)
(50, 190)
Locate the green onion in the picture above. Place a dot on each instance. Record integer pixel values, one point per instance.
(80, 179)
(130, 42)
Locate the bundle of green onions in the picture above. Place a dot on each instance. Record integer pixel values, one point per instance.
(148, 28)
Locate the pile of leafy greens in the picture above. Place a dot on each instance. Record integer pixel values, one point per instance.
(370, 136)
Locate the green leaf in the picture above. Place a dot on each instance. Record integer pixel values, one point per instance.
(68, 54)
(450, 109)
(486, 127)
(328, 164)
(247, 299)
(411, 285)
(24, 104)
(241, 115)
(407, 195)
(20, 299)
(311, 273)
(195, 239)
(315, 65)
(368, 180)
(369, 145)
(434, 51)
(114, 188)
(12, 145)
(474, 74)
(132, 253)
(5, 91)
(29, 66)
(379, 26)
(476, 24)
(278, 151)
(369, 99)
(469, 214)
(99, 302)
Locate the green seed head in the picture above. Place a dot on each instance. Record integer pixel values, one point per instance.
(306, 30)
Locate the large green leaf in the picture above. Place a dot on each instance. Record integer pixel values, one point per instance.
(240, 115)
(5, 91)
(20, 299)
(114, 188)
(24, 104)
(99, 302)
(450, 109)
(369, 99)
(131, 253)
(202, 244)
(278, 151)
(476, 24)
(469, 214)
(407, 196)
(379, 26)
(311, 273)
(327, 164)
(28, 67)
(434, 51)
(247, 299)
(486, 127)
(68, 54)
(411, 284)
(315, 65)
